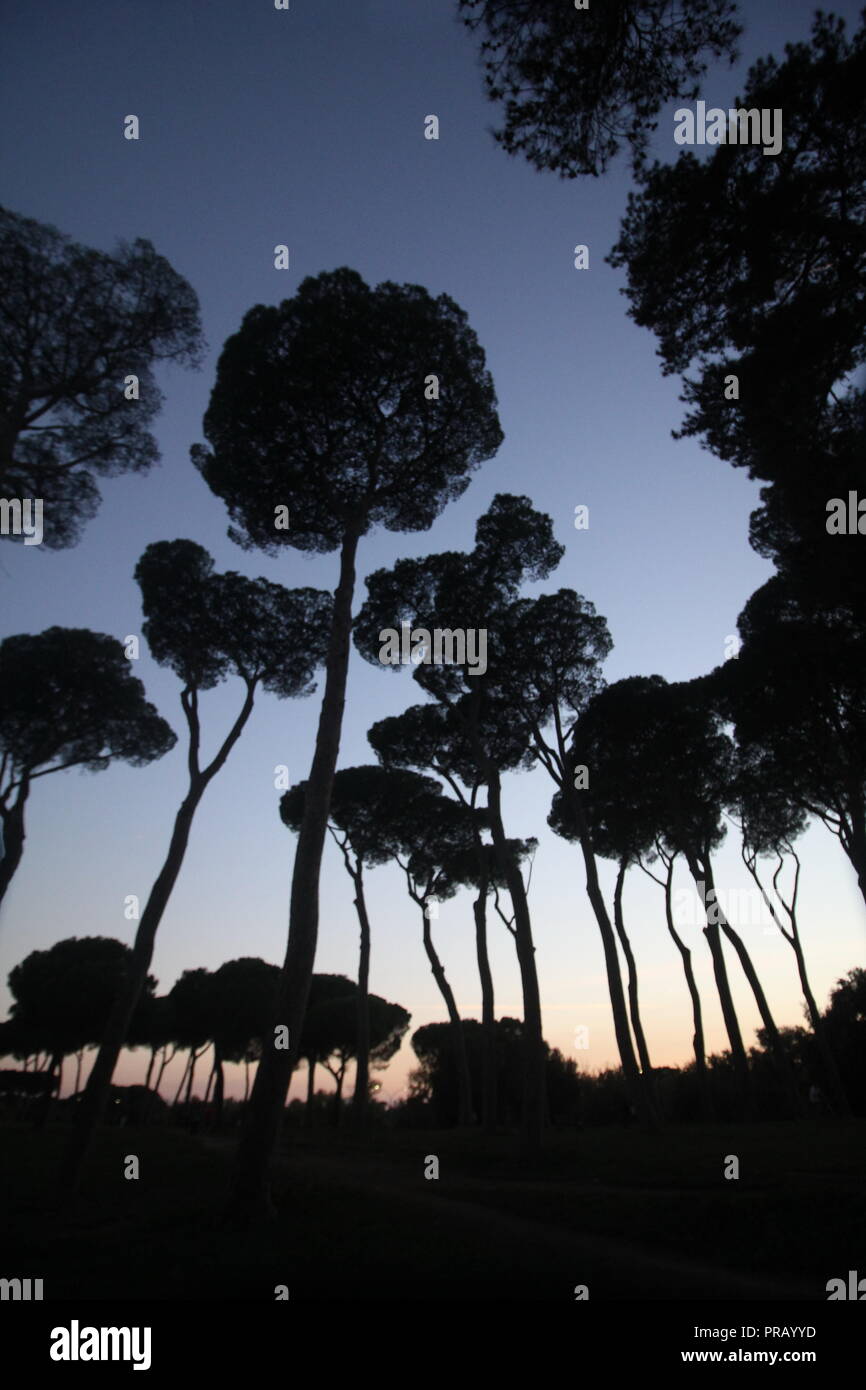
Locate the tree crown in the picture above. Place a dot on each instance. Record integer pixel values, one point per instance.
(319, 405)
(74, 324)
(67, 697)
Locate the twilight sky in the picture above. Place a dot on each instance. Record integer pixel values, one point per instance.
(306, 127)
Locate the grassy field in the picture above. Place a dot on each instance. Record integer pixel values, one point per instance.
(628, 1214)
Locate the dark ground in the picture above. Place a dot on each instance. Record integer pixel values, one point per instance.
(630, 1215)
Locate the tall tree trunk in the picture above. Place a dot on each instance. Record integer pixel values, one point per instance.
(246, 1079)
(534, 1053)
(96, 1094)
(150, 1101)
(219, 1086)
(338, 1096)
(461, 1061)
(784, 1068)
(633, 1003)
(311, 1083)
(163, 1063)
(166, 1059)
(638, 1092)
(362, 1072)
(55, 1072)
(715, 915)
(150, 1066)
(488, 1016)
(828, 1060)
(194, 1056)
(698, 1038)
(186, 1068)
(249, 1195)
(703, 878)
(95, 1099)
(13, 836)
(79, 1057)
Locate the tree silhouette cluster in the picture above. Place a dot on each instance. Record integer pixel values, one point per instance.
(349, 407)
(63, 999)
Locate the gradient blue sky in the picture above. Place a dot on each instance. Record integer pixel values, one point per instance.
(306, 127)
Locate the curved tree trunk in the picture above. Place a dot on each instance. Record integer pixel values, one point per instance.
(219, 1089)
(150, 1067)
(488, 1017)
(639, 1096)
(194, 1056)
(488, 1014)
(633, 1004)
(832, 1077)
(780, 1056)
(13, 836)
(249, 1195)
(95, 1099)
(150, 1101)
(461, 1061)
(783, 1062)
(338, 1097)
(96, 1094)
(703, 880)
(698, 1037)
(534, 1052)
(55, 1072)
(828, 1060)
(186, 1068)
(361, 1093)
(311, 1089)
(163, 1064)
